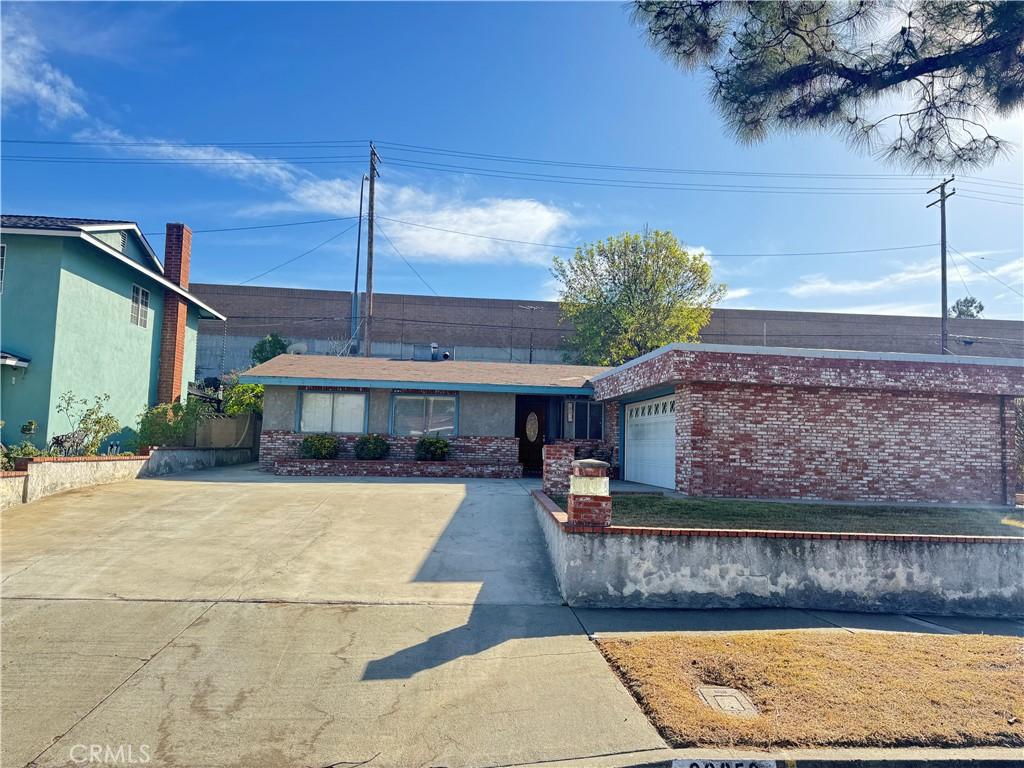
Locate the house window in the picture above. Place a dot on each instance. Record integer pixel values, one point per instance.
(588, 420)
(3, 263)
(333, 412)
(140, 307)
(423, 415)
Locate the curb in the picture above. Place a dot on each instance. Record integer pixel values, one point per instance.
(835, 762)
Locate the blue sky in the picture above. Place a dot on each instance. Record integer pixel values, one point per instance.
(562, 82)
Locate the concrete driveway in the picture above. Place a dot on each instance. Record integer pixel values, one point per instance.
(228, 618)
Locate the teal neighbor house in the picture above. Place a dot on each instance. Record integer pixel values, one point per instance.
(87, 307)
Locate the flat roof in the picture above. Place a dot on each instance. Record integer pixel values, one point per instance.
(834, 354)
(456, 375)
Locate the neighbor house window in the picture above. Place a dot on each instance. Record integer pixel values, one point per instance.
(588, 420)
(140, 307)
(3, 263)
(333, 412)
(421, 415)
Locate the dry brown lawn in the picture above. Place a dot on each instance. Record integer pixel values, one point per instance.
(824, 688)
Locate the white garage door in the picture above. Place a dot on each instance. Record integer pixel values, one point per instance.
(650, 445)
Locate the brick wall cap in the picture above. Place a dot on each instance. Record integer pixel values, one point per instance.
(591, 464)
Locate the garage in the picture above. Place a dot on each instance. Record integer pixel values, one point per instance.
(650, 442)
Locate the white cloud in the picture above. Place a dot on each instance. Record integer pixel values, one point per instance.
(737, 293)
(28, 78)
(921, 272)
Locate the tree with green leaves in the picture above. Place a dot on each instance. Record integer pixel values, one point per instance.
(967, 308)
(912, 81)
(633, 293)
(267, 348)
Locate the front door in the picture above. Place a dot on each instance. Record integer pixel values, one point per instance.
(531, 427)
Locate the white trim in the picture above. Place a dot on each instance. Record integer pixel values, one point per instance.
(13, 363)
(117, 255)
(835, 354)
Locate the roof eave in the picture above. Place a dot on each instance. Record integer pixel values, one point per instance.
(205, 311)
(311, 381)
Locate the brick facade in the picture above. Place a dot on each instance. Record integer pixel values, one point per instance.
(280, 445)
(863, 445)
(837, 428)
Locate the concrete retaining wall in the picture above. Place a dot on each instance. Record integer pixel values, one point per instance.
(12, 488)
(168, 461)
(631, 568)
(49, 475)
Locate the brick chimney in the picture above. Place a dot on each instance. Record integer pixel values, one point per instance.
(177, 254)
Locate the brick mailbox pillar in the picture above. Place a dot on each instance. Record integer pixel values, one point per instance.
(590, 503)
(557, 466)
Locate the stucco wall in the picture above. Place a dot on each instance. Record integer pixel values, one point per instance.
(97, 348)
(708, 571)
(480, 413)
(28, 316)
(487, 413)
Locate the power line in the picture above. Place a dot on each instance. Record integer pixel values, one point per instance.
(994, 277)
(158, 143)
(991, 200)
(296, 258)
(961, 276)
(415, 148)
(264, 226)
(473, 234)
(407, 263)
(642, 184)
(311, 160)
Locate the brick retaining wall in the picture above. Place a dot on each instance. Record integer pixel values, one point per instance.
(386, 468)
(280, 445)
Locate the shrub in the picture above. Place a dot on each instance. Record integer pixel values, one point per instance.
(171, 424)
(432, 449)
(371, 447)
(23, 450)
(91, 424)
(320, 447)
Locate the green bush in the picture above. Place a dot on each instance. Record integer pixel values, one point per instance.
(24, 450)
(432, 449)
(92, 423)
(371, 447)
(320, 447)
(242, 398)
(171, 424)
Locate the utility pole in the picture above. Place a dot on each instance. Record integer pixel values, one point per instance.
(941, 202)
(354, 330)
(374, 158)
